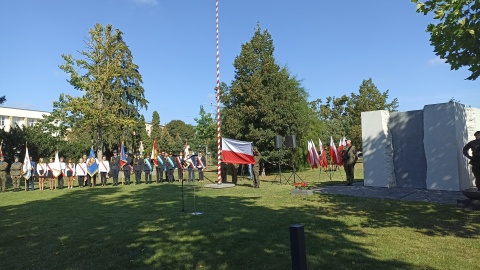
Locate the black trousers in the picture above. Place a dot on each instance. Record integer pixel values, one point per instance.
(115, 176)
(60, 181)
(138, 177)
(103, 178)
(127, 176)
(148, 177)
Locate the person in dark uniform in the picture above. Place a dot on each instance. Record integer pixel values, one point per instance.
(161, 167)
(147, 168)
(474, 146)
(3, 174)
(223, 170)
(138, 165)
(115, 167)
(191, 167)
(16, 174)
(179, 166)
(170, 167)
(256, 168)
(127, 169)
(234, 168)
(349, 158)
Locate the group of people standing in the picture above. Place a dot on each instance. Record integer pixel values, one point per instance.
(164, 164)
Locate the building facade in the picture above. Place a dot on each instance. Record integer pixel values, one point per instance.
(10, 117)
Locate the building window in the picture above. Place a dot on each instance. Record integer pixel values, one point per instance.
(2, 121)
(18, 121)
(31, 122)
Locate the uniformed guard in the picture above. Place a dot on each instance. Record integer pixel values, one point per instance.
(138, 168)
(127, 169)
(256, 168)
(147, 168)
(179, 165)
(170, 167)
(3, 174)
(160, 167)
(16, 174)
(115, 167)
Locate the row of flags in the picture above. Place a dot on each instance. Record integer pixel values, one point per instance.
(319, 158)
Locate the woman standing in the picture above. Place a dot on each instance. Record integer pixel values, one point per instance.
(104, 168)
(50, 175)
(81, 171)
(41, 170)
(70, 172)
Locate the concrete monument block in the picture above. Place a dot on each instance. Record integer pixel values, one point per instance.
(445, 134)
(377, 150)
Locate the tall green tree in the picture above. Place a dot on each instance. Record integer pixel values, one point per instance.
(456, 35)
(206, 130)
(111, 85)
(263, 99)
(369, 98)
(156, 130)
(180, 128)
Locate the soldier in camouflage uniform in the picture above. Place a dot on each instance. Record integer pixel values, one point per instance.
(16, 174)
(256, 168)
(3, 174)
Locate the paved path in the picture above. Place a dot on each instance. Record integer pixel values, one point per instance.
(404, 194)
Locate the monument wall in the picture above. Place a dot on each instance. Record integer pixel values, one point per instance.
(419, 149)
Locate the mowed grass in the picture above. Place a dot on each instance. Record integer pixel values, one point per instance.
(143, 227)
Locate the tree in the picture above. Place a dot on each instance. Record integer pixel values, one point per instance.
(263, 99)
(456, 36)
(111, 84)
(180, 128)
(206, 130)
(369, 98)
(2, 99)
(156, 130)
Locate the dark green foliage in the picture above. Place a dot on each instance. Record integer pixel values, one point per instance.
(455, 36)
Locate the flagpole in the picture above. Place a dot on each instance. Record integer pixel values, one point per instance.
(219, 149)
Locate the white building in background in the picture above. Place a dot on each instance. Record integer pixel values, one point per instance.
(9, 117)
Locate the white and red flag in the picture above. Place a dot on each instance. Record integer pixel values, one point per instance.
(313, 157)
(238, 152)
(333, 151)
(323, 155)
(341, 145)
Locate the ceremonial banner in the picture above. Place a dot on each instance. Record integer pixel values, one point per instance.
(1, 146)
(92, 166)
(55, 166)
(27, 166)
(341, 145)
(154, 152)
(238, 152)
(123, 157)
(323, 155)
(312, 156)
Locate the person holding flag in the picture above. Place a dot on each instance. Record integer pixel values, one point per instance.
(138, 165)
(27, 169)
(201, 162)
(92, 169)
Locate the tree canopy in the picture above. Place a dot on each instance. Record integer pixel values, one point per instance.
(111, 85)
(456, 36)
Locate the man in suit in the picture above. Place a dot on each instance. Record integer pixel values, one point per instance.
(161, 166)
(115, 167)
(147, 168)
(201, 165)
(31, 180)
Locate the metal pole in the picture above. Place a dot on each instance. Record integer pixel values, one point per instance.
(297, 246)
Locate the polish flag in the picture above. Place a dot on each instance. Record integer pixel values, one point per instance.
(238, 152)
(323, 155)
(333, 151)
(341, 145)
(310, 155)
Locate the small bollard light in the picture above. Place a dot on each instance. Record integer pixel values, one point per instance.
(297, 246)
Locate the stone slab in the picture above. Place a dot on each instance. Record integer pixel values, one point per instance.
(220, 186)
(469, 204)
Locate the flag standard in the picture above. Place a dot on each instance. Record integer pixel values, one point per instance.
(123, 157)
(92, 166)
(323, 155)
(238, 152)
(27, 166)
(333, 151)
(154, 152)
(341, 145)
(1, 152)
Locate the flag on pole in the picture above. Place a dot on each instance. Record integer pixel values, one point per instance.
(333, 151)
(238, 152)
(312, 155)
(123, 157)
(323, 155)
(92, 166)
(341, 145)
(55, 166)
(153, 156)
(1, 152)
(27, 166)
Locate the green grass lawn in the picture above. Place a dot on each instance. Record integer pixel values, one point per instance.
(142, 227)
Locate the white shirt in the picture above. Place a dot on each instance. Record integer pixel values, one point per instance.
(81, 169)
(104, 166)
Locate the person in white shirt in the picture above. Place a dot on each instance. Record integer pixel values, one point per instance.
(41, 171)
(104, 168)
(50, 177)
(80, 172)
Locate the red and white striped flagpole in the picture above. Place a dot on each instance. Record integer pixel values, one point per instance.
(219, 137)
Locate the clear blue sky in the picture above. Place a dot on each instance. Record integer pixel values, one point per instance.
(330, 45)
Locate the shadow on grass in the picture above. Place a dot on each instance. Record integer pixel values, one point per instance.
(108, 228)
